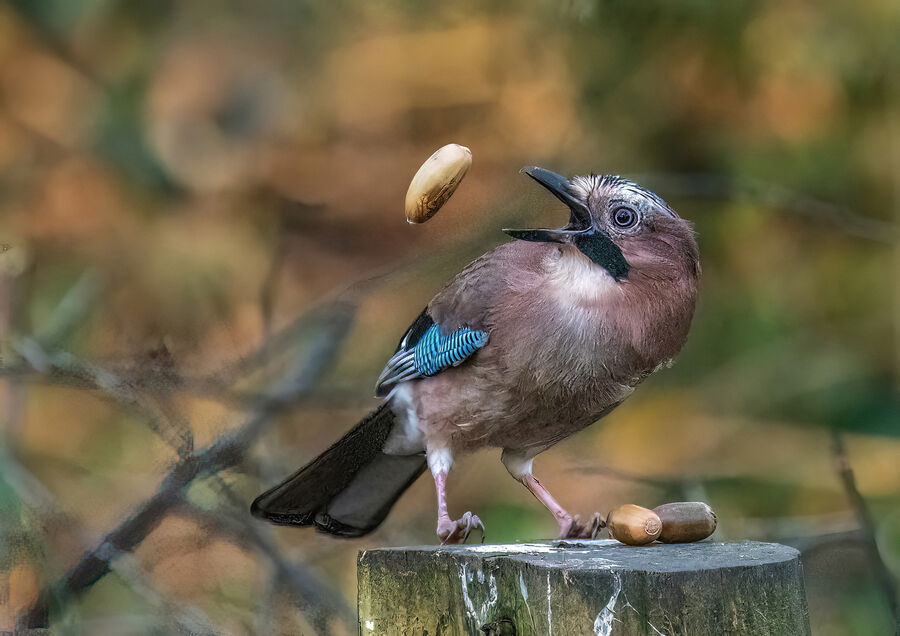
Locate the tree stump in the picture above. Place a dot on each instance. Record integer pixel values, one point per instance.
(583, 587)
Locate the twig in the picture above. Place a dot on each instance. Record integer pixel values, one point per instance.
(64, 368)
(279, 341)
(223, 453)
(71, 311)
(221, 381)
(95, 563)
(624, 475)
(720, 186)
(162, 421)
(267, 294)
(44, 506)
(314, 598)
(40, 502)
(866, 524)
(188, 619)
(795, 529)
(827, 541)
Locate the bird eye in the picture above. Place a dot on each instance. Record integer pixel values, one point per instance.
(625, 217)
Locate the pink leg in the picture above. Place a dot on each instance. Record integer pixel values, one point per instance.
(519, 466)
(440, 485)
(563, 519)
(450, 530)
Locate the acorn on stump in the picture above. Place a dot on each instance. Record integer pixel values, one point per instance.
(634, 525)
(685, 521)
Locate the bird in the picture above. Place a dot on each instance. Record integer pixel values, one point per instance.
(530, 343)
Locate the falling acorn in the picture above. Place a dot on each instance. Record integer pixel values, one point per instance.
(685, 521)
(633, 525)
(436, 181)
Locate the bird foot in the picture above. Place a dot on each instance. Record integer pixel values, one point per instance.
(452, 532)
(574, 529)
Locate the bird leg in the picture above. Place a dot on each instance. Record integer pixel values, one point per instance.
(570, 527)
(449, 530)
(519, 466)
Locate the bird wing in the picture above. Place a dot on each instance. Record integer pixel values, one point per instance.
(426, 349)
(458, 319)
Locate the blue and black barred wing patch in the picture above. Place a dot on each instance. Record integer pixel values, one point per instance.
(427, 351)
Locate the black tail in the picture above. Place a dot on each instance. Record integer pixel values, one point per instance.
(349, 489)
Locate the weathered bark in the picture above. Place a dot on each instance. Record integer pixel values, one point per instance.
(583, 587)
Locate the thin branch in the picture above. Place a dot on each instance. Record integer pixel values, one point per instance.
(44, 506)
(68, 315)
(220, 382)
(664, 482)
(720, 186)
(314, 598)
(129, 389)
(219, 455)
(71, 311)
(267, 295)
(866, 524)
(162, 420)
(277, 343)
(827, 541)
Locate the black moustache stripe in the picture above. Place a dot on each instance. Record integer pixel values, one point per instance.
(604, 252)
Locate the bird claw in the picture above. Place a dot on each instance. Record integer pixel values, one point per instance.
(576, 530)
(453, 532)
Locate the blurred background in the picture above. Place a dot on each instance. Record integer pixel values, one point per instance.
(204, 265)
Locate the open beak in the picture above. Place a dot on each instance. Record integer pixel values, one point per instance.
(591, 240)
(579, 216)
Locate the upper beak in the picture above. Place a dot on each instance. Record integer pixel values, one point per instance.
(579, 217)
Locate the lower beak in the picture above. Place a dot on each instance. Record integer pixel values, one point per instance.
(581, 232)
(562, 235)
(579, 215)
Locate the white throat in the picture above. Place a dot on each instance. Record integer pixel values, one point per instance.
(573, 278)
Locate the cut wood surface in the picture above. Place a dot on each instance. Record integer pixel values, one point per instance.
(583, 587)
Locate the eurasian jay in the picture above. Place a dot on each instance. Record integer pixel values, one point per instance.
(530, 343)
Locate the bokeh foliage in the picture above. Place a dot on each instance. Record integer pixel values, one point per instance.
(179, 181)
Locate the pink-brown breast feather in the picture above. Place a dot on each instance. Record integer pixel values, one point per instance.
(566, 344)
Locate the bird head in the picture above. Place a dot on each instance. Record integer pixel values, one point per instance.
(617, 224)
